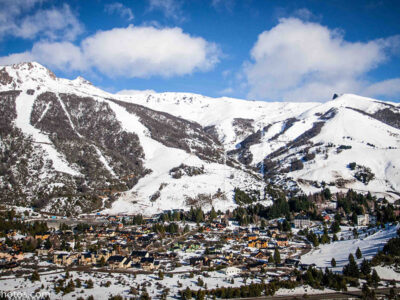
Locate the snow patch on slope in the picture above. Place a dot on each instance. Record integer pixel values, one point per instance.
(67, 114)
(104, 161)
(48, 106)
(24, 104)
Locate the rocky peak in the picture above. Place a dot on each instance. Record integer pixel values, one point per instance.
(81, 80)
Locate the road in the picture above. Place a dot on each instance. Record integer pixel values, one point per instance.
(326, 296)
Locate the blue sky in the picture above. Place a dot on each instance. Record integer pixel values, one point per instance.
(265, 50)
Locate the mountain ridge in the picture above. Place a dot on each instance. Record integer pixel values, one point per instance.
(90, 150)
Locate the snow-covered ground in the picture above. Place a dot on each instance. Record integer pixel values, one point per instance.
(121, 283)
(340, 250)
(302, 290)
(388, 273)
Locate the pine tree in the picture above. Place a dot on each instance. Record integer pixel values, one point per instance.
(102, 261)
(333, 262)
(160, 275)
(89, 284)
(286, 226)
(78, 283)
(35, 276)
(187, 294)
(200, 282)
(199, 215)
(133, 291)
(263, 224)
(366, 292)
(365, 267)
(325, 239)
(392, 294)
(47, 244)
(277, 256)
(309, 278)
(271, 260)
(201, 295)
(358, 253)
(186, 229)
(335, 227)
(375, 278)
(351, 269)
(145, 296)
(213, 214)
(192, 215)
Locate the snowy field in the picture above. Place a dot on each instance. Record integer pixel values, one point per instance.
(388, 273)
(121, 284)
(340, 250)
(301, 290)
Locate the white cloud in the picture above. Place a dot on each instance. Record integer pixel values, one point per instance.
(135, 92)
(305, 14)
(148, 51)
(10, 10)
(16, 7)
(170, 8)
(60, 56)
(141, 52)
(53, 23)
(385, 88)
(16, 58)
(225, 4)
(300, 61)
(226, 73)
(120, 9)
(226, 91)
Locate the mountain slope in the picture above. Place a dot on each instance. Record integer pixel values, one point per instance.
(69, 146)
(311, 143)
(91, 147)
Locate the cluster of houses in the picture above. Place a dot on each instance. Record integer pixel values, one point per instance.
(248, 249)
(115, 246)
(110, 243)
(9, 260)
(329, 208)
(139, 259)
(120, 248)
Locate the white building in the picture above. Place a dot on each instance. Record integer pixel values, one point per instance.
(232, 271)
(301, 221)
(363, 220)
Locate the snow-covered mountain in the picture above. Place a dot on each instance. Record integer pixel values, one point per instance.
(69, 146)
